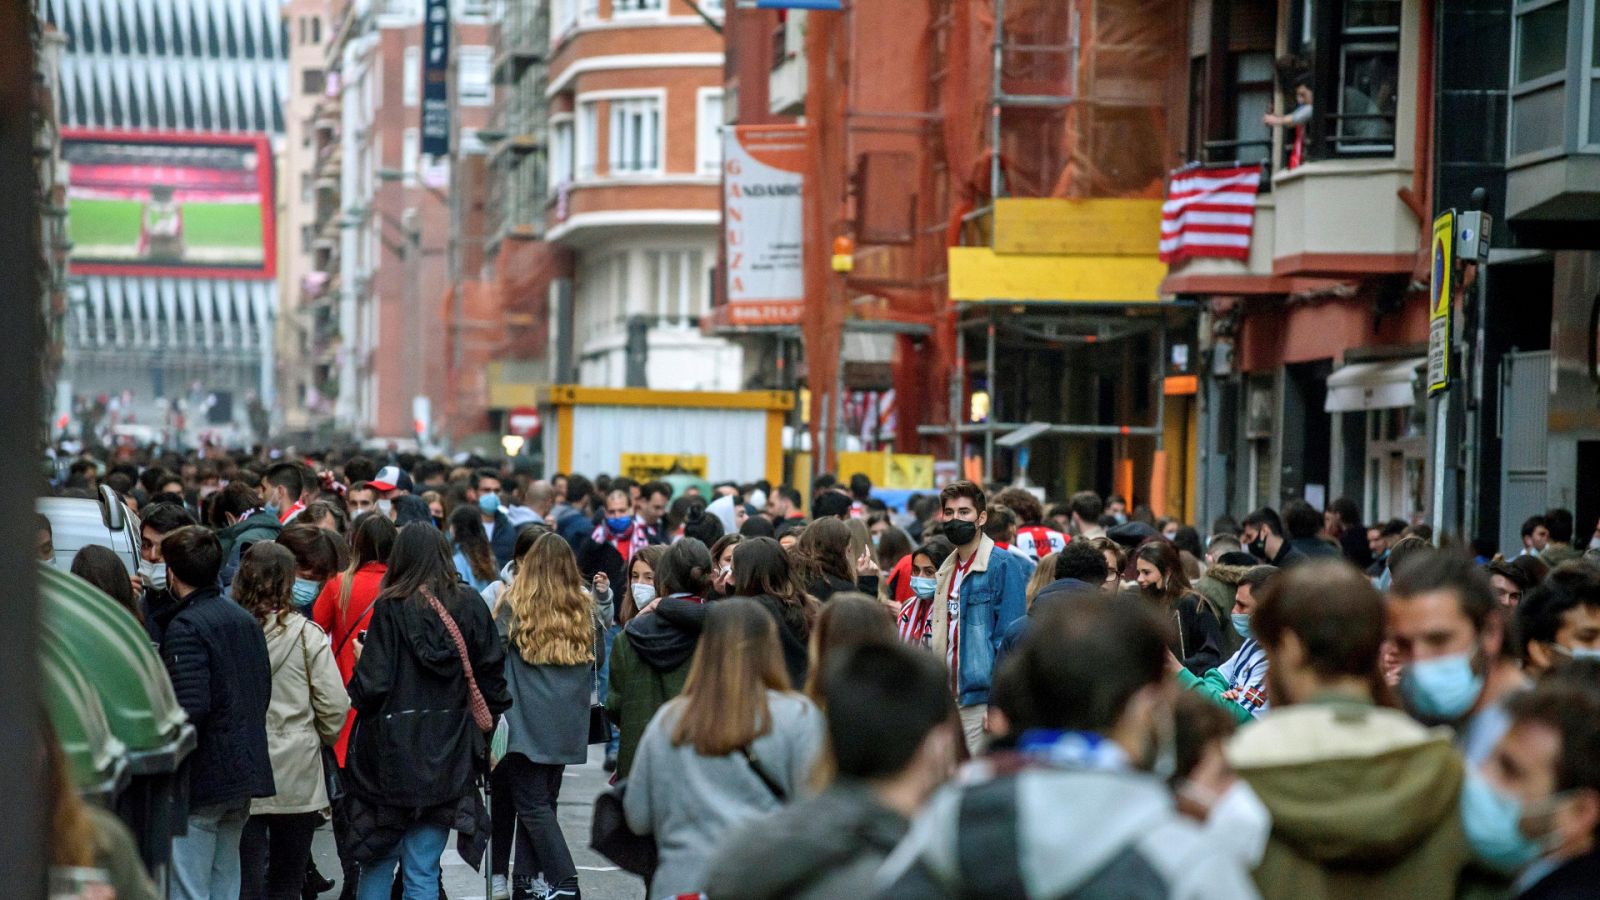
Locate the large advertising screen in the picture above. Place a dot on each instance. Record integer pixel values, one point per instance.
(185, 205)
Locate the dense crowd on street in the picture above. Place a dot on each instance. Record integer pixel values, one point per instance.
(985, 694)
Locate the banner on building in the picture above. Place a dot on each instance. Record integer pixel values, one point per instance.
(435, 78)
(172, 204)
(1209, 212)
(763, 213)
(1440, 291)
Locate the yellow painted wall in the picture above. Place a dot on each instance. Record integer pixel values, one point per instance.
(979, 273)
(1099, 227)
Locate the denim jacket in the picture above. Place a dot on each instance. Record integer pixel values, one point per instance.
(993, 595)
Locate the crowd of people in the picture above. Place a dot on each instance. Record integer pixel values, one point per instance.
(818, 696)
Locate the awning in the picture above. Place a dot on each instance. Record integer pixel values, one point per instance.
(1373, 385)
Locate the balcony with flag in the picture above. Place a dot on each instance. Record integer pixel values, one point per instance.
(1217, 231)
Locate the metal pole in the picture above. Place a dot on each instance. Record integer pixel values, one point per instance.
(996, 88)
(958, 389)
(994, 405)
(23, 853)
(1441, 443)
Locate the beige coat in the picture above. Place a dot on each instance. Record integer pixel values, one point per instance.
(308, 708)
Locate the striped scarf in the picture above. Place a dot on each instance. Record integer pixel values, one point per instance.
(629, 542)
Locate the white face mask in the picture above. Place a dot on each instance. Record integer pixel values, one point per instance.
(643, 594)
(386, 506)
(154, 575)
(1237, 821)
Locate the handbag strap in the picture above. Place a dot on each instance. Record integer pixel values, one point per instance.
(480, 708)
(354, 627)
(761, 773)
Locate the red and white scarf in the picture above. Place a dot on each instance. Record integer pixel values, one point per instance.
(636, 538)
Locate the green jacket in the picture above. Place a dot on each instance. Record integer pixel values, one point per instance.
(262, 526)
(1217, 585)
(1212, 686)
(1365, 803)
(634, 691)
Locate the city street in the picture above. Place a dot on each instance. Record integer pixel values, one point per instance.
(598, 878)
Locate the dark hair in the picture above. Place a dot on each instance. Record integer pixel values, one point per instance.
(701, 525)
(1159, 552)
(1394, 527)
(101, 567)
(860, 486)
(360, 468)
(678, 510)
(235, 500)
(685, 569)
(1258, 577)
(967, 489)
(466, 527)
(790, 494)
(824, 481)
(478, 475)
(1332, 609)
(1568, 702)
(579, 489)
(1080, 663)
(1087, 505)
(1347, 511)
(315, 549)
(848, 619)
(761, 567)
(1188, 539)
(264, 584)
(1080, 560)
(526, 536)
(1559, 521)
(830, 504)
(318, 510)
(1265, 516)
(1404, 549)
(757, 526)
(1421, 573)
(1534, 569)
(372, 540)
(1514, 574)
(824, 550)
(288, 476)
(194, 555)
(893, 546)
(936, 549)
(420, 559)
(651, 488)
(1302, 519)
(1571, 585)
(1020, 501)
(883, 699)
(165, 518)
(1224, 524)
(1196, 723)
(1000, 522)
(1532, 524)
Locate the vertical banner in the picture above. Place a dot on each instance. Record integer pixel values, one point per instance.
(1439, 296)
(435, 81)
(764, 216)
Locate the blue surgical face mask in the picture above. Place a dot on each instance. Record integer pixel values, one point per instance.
(923, 586)
(1490, 820)
(306, 591)
(1241, 624)
(1576, 653)
(1441, 689)
(488, 504)
(619, 524)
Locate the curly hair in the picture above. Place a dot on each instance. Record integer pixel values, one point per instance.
(552, 616)
(264, 585)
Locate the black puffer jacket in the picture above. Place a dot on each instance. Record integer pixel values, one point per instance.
(794, 634)
(415, 744)
(216, 656)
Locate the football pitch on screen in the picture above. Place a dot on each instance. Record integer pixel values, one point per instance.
(213, 233)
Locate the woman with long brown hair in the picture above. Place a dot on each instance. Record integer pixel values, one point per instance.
(547, 619)
(1162, 581)
(734, 746)
(761, 571)
(474, 556)
(823, 563)
(307, 710)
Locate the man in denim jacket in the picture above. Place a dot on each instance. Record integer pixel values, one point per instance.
(979, 593)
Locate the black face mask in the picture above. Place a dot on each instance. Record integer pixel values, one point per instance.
(960, 532)
(1258, 549)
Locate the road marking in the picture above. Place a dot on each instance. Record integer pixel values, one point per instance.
(598, 868)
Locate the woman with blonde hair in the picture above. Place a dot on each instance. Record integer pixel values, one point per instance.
(736, 745)
(548, 621)
(1043, 574)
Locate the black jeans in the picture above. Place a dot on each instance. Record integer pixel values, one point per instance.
(541, 847)
(503, 814)
(273, 855)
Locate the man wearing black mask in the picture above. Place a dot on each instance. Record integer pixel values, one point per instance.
(1263, 537)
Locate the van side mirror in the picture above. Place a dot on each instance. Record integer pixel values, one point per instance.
(112, 510)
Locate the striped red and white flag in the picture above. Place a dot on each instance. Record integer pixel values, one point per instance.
(1209, 213)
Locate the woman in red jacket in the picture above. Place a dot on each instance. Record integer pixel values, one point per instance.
(345, 604)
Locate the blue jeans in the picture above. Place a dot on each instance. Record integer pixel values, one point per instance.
(417, 854)
(605, 683)
(205, 862)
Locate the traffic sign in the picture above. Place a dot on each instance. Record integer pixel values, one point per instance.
(1439, 295)
(523, 420)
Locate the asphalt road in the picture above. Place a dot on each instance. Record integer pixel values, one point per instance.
(598, 879)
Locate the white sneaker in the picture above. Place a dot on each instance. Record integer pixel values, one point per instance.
(500, 888)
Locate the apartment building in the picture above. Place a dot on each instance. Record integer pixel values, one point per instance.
(305, 313)
(635, 95)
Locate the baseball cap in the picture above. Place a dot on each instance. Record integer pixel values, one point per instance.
(390, 478)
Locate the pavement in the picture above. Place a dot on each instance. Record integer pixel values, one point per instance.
(598, 879)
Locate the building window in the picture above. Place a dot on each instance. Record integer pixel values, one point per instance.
(1368, 77)
(316, 29)
(470, 12)
(634, 144)
(473, 86)
(708, 132)
(587, 138)
(631, 7)
(410, 149)
(563, 16)
(1592, 79)
(1539, 76)
(312, 81)
(675, 282)
(1232, 80)
(411, 76)
(561, 157)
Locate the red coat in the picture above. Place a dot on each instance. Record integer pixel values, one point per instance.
(342, 627)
